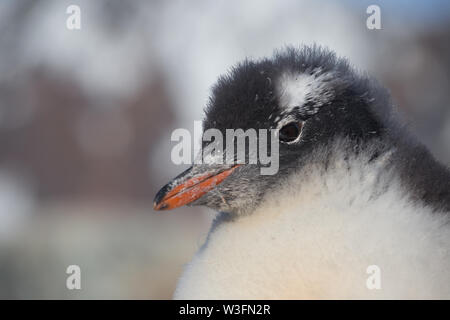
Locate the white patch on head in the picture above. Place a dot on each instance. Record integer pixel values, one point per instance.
(295, 89)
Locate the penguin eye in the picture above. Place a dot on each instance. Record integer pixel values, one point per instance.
(291, 131)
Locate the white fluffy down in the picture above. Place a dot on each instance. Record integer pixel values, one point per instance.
(295, 89)
(317, 236)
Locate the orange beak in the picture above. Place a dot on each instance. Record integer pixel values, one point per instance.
(189, 187)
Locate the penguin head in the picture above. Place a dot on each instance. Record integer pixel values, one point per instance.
(307, 97)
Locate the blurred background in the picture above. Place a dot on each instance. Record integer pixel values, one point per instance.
(86, 117)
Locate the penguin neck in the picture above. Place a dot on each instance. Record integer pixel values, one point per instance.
(339, 173)
(335, 172)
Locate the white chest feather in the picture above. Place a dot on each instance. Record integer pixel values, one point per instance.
(316, 238)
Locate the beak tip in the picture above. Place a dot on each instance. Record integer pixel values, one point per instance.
(159, 206)
(158, 201)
